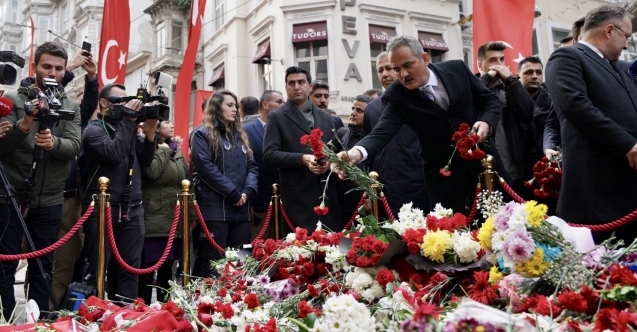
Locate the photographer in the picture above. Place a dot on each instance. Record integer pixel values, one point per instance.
(59, 144)
(109, 144)
(67, 255)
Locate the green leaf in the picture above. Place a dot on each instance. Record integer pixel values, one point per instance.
(310, 319)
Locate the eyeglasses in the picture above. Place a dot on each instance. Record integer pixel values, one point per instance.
(628, 36)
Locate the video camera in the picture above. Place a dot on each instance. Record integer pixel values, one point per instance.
(8, 74)
(158, 110)
(49, 107)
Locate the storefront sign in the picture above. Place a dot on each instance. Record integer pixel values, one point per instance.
(349, 3)
(432, 41)
(380, 34)
(351, 51)
(309, 32)
(263, 50)
(349, 23)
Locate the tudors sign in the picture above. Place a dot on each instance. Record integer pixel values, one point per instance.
(432, 41)
(309, 32)
(380, 34)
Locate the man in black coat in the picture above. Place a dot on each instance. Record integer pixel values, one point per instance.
(270, 100)
(301, 175)
(399, 164)
(596, 104)
(459, 97)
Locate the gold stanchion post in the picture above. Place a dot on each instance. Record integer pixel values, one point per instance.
(185, 232)
(103, 183)
(375, 202)
(275, 211)
(489, 174)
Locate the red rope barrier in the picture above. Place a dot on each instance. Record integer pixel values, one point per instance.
(55, 245)
(202, 222)
(351, 220)
(510, 191)
(118, 257)
(286, 218)
(265, 224)
(474, 208)
(387, 208)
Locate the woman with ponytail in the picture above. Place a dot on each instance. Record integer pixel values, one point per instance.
(225, 179)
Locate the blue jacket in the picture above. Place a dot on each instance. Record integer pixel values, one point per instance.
(219, 182)
(267, 175)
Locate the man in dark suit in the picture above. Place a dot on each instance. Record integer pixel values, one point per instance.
(301, 175)
(398, 164)
(433, 100)
(596, 104)
(270, 100)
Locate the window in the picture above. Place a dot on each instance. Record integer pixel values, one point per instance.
(43, 26)
(313, 57)
(14, 11)
(630, 54)
(266, 75)
(534, 45)
(176, 42)
(466, 56)
(559, 35)
(220, 13)
(65, 17)
(376, 49)
(160, 40)
(434, 55)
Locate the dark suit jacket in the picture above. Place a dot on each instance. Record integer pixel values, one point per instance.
(300, 189)
(267, 175)
(597, 108)
(399, 164)
(469, 101)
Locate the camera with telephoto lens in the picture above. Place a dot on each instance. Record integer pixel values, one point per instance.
(8, 74)
(49, 107)
(158, 109)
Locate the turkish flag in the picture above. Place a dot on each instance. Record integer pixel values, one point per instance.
(114, 42)
(508, 21)
(182, 91)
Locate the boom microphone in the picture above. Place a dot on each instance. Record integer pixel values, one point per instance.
(6, 106)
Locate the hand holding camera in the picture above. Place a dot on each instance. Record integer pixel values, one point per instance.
(135, 105)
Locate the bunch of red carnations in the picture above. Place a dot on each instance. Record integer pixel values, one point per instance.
(547, 174)
(366, 251)
(466, 144)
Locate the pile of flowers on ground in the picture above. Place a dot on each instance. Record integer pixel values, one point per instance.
(318, 281)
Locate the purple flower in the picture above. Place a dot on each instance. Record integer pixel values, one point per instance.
(294, 290)
(264, 279)
(519, 247)
(414, 326)
(501, 221)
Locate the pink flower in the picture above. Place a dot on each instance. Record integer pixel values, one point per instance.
(501, 221)
(519, 246)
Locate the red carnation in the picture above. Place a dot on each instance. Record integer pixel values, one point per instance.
(223, 292)
(171, 307)
(251, 300)
(184, 326)
(546, 308)
(227, 311)
(385, 277)
(312, 290)
(573, 301)
(321, 211)
(445, 171)
(304, 309)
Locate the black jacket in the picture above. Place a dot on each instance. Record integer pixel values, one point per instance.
(220, 180)
(106, 145)
(398, 164)
(267, 175)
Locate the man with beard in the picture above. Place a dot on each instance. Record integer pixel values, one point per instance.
(320, 96)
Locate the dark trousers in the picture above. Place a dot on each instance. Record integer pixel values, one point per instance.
(164, 274)
(227, 234)
(129, 236)
(43, 225)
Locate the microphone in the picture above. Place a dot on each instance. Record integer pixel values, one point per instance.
(6, 106)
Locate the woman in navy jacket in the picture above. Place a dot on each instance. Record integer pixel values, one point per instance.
(225, 178)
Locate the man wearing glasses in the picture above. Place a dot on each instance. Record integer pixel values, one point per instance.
(596, 104)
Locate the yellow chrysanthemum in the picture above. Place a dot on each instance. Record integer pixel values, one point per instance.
(485, 234)
(435, 245)
(536, 212)
(495, 275)
(536, 266)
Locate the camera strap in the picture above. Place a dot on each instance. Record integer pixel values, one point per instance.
(128, 189)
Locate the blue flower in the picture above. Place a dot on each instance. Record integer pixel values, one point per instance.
(502, 267)
(550, 253)
(633, 267)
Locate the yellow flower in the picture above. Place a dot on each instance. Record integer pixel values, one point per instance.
(495, 275)
(536, 212)
(536, 266)
(485, 234)
(435, 245)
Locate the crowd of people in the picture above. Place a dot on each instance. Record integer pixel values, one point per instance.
(586, 113)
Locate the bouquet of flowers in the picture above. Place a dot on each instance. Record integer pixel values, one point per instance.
(547, 174)
(466, 145)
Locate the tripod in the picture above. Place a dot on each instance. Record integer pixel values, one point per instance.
(11, 196)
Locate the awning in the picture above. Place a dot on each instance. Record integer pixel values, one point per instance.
(309, 32)
(432, 41)
(217, 74)
(263, 50)
(380, 34)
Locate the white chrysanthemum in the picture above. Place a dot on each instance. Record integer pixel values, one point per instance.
(206, 299)
(373, 292)
(492, 258)
(440, 212)
(344, 314)
(232, 254)
(519, 218)
(363, 281)
(291, 237)
(497, 241)
(465, 247)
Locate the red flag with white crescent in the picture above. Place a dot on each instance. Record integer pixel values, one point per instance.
(114, 42)
(183, 89)
(508, 21)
